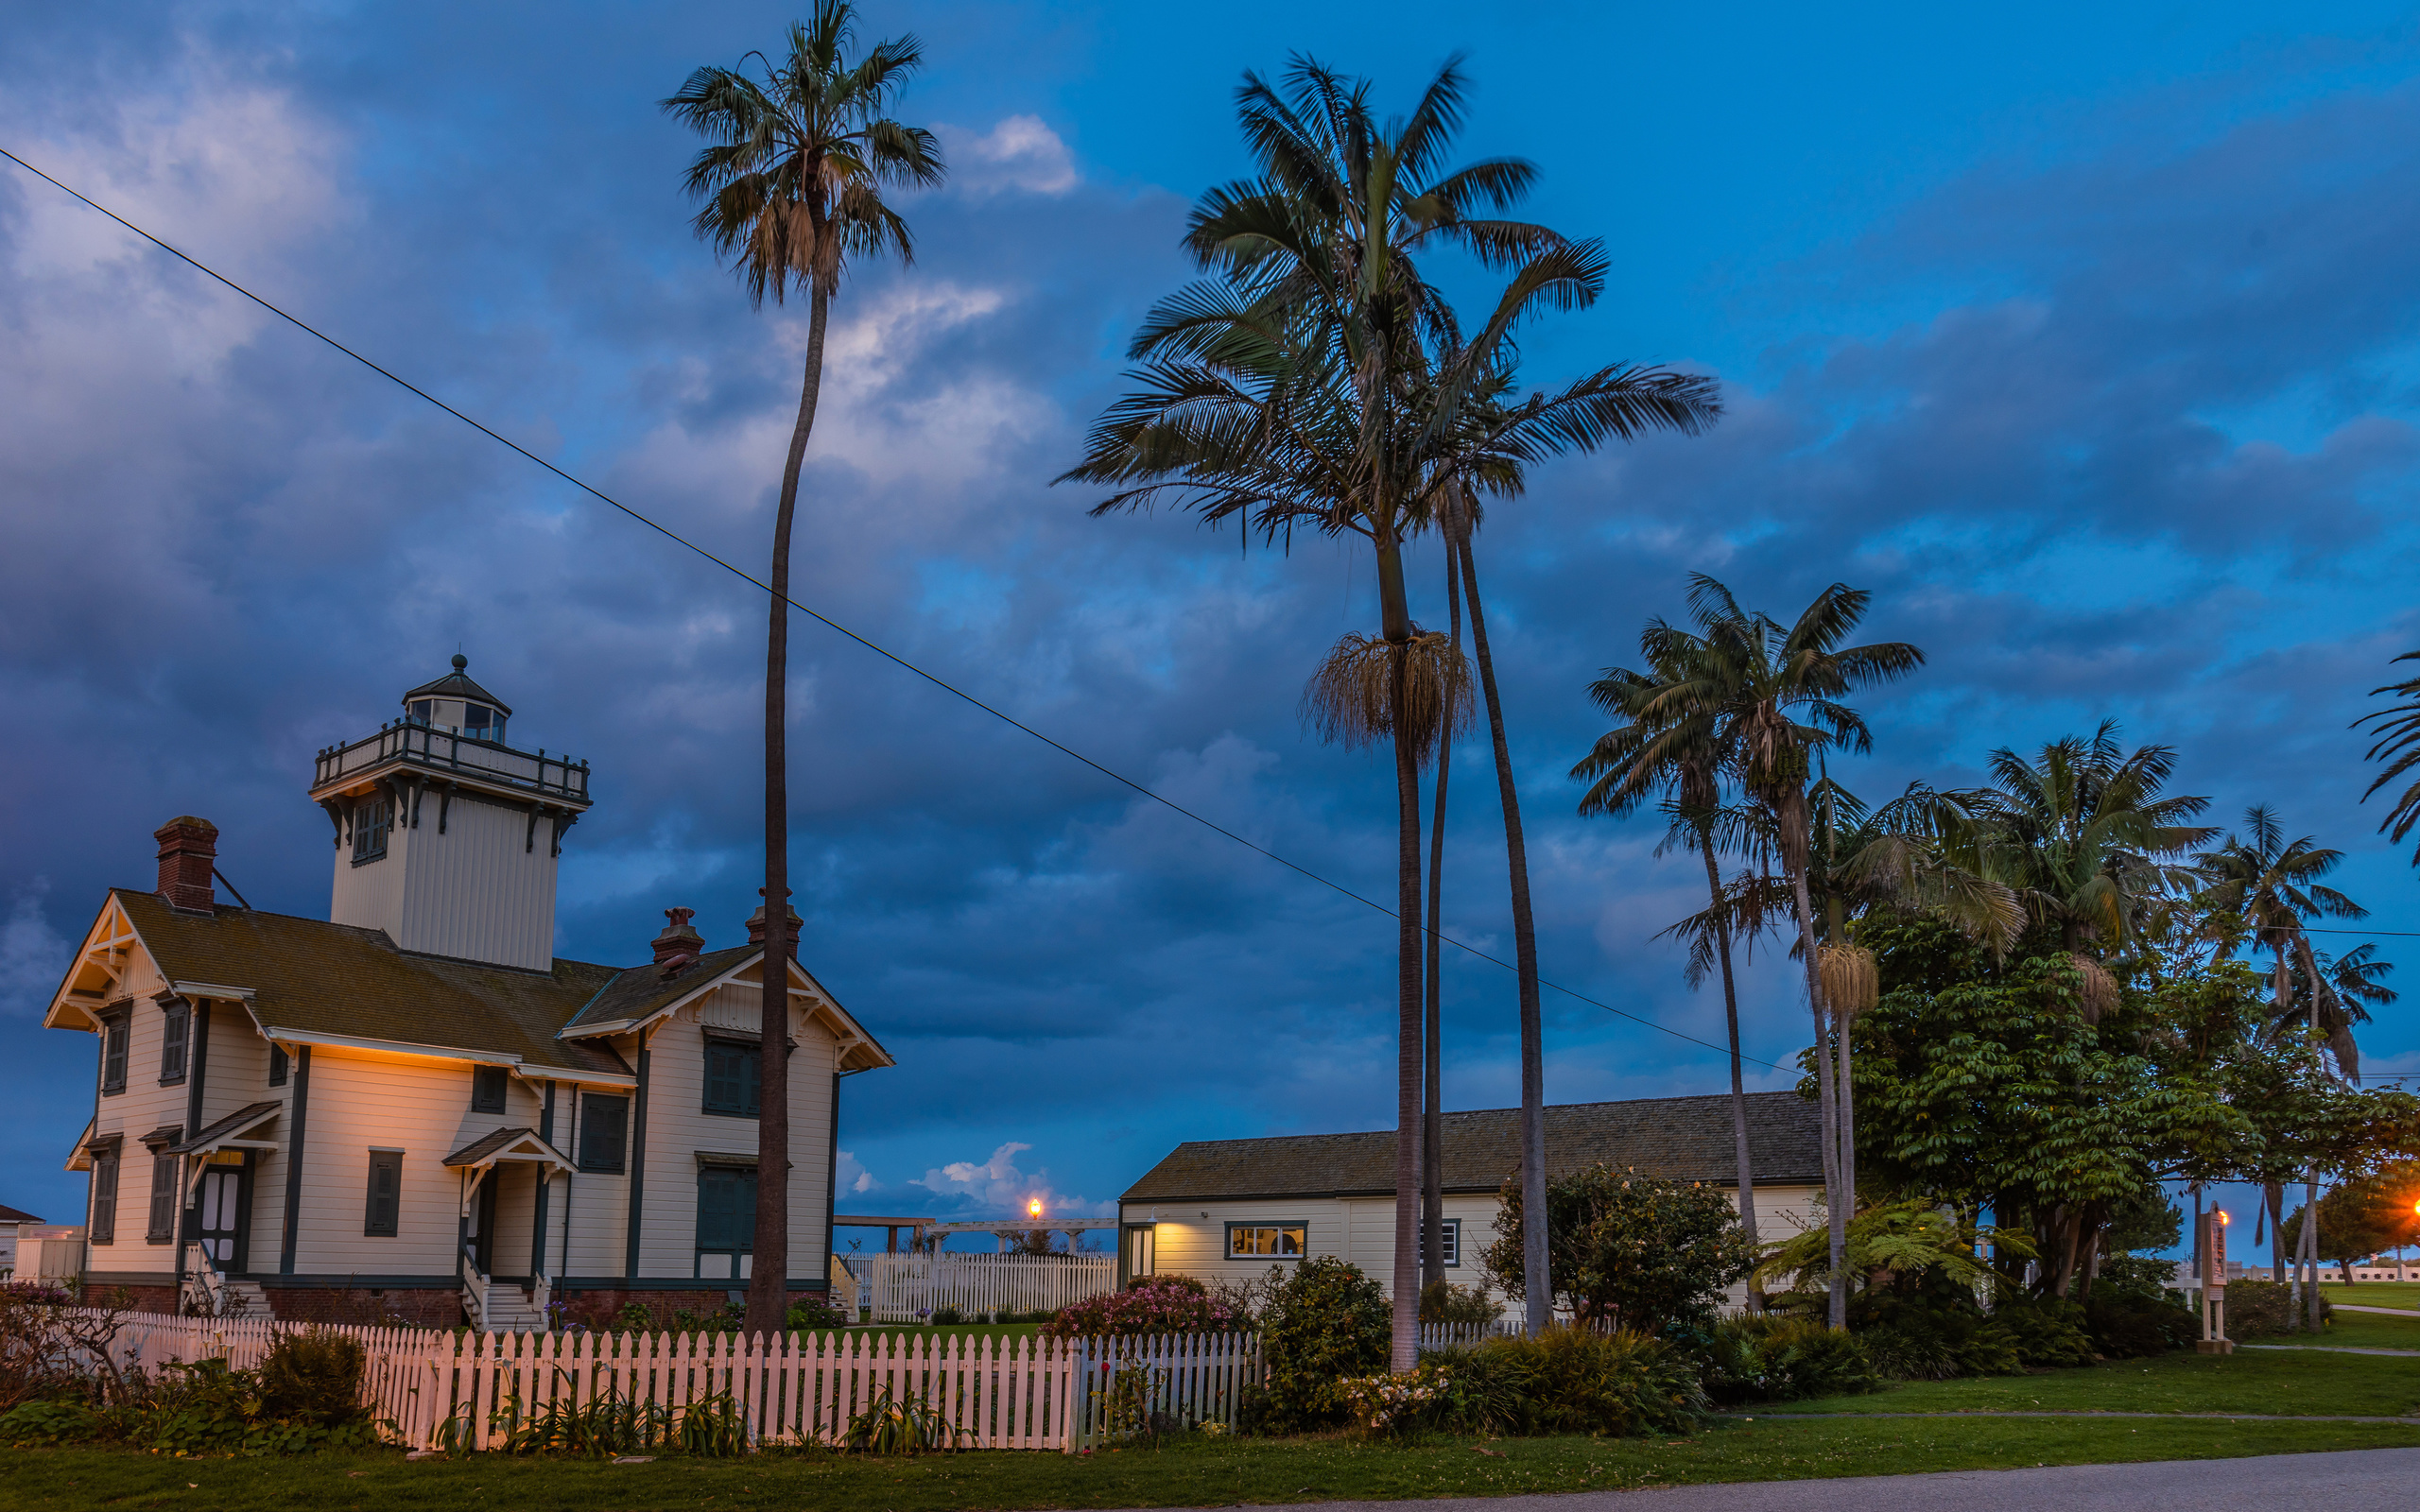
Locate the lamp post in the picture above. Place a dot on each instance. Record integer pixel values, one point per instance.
(2214, 1338)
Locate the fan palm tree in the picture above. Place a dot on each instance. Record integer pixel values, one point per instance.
(798, 153)
(1772, 696)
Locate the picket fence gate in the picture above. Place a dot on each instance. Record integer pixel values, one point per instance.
(908, 1288)
(1028, 1392)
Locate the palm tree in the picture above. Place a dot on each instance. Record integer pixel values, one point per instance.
(1635, 760)
(1315, 380)
(1772, 695)
(1432, 1117)
(798, 154)
(2080, 831)
(2398, 728)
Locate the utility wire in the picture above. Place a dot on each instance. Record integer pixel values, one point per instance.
(679, 540)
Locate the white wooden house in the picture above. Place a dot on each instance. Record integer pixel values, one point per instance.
(1230, 1208)
(412, 1110)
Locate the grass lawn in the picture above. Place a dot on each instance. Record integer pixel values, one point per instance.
(2375, 1294)
(2288, 1382)
(1189, 1473)
(2363, 1329)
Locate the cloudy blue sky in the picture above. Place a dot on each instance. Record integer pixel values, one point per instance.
(2084, 336)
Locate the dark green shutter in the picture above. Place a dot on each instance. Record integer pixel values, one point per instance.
(604, 1125)
(164, 1200)
(114, 1041)
(104, 1230)
(487, 1089)
(726, 1209)
(277, 1065)
(385, 1207)
(174, 1028)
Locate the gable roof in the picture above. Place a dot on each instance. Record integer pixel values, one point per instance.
(1689, 1138)
(316, 978)
(644, 993)
(9, 1214)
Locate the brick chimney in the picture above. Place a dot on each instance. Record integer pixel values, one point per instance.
(757, 927)
(679, 939)
(188, 849)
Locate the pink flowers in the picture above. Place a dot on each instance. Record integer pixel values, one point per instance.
(1154, 1304)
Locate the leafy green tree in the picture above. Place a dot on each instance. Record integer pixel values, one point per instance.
(2356, 1220)
(1323, 1324)
(1627, 1249)
(798, 153)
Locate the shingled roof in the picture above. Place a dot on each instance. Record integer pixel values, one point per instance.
(314, 977)
(1689, 1139)
(642, 990)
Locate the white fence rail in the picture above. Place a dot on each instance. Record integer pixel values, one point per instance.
(910, 1288)
(1022, 1393)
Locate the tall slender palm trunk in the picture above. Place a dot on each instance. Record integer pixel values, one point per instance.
(1432, 1122)
(1538, 1282)
(1405, 1274)
(2311, 1247)
(768, 1278)
(1731, 1023)
(2274, 1192)
(1835, 1201)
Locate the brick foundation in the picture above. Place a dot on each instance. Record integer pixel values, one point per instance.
(391, 1307)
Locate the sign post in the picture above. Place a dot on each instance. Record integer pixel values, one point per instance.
(2214, 1285)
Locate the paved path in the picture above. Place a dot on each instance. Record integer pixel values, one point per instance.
(2388, 1311)
(2364, 1478)
(2412, 1420)
(2326, 1349)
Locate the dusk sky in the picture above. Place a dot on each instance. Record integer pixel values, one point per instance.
(2082, 335)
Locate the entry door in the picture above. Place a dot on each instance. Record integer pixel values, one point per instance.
(222, 1185)
(483, 1224)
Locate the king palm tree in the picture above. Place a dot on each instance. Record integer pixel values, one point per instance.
(1772, 695)
(2398, 728)
(1665, 747)
(798, 152)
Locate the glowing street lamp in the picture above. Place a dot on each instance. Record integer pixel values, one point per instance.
(1033, 1209)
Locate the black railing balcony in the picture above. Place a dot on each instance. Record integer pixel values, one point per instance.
(436, 749)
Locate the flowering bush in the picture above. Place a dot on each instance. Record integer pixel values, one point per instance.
(1323, 1324)
(1152, 1304)
(1392, 1406)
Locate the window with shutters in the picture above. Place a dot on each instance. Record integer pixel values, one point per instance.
(731, 1076)
(371, 821)
(176, 1032)
(116, 1031)
(277, 1063)
(487, 1089)
(604, 1128)
(726, 1220)
(104, 1229)
(386, 1205)
(163, 1227)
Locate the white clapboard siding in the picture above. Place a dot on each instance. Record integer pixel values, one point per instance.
(1026, 1392)
(906, 1288)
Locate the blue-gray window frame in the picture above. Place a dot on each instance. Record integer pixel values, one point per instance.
(1453, 1235)
(1227, 1248)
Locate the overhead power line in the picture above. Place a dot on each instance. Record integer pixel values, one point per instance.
(677, 539)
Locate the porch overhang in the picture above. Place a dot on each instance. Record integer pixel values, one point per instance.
(508, 1147)
(239, 1130)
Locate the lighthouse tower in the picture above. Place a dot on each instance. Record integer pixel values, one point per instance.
(446, 837)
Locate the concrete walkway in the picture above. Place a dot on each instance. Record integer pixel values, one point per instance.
(2326, 1349)
(2269, 1482)
(2382, 1312)
(2412, 1420)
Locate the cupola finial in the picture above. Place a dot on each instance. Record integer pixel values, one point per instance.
(461, 660)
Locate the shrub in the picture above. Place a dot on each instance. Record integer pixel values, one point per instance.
(313, 1377)
(1444, 1303)
(1567, 1381)
(807, 1316)
(946, 1318)
(1784, 1359)
(2046, 1330)
(1621, 1245)
(1152, 1304)
(1397, 1406)
(31, 1423)
(2125, 1324)
(2257, 1309)
(2145, 1276)
(1323, 1325)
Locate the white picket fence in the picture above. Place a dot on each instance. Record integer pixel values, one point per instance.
(1024, 1393)
(910, 1288)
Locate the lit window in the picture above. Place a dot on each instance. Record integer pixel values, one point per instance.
(1254, 1241)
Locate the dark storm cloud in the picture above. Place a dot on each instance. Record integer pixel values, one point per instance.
(2148, 458)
